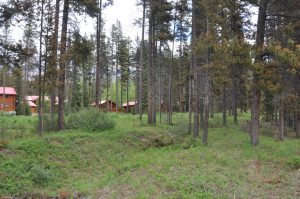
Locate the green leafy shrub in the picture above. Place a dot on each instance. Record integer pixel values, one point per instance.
(89, 119)
(40, 175)
(294, 163)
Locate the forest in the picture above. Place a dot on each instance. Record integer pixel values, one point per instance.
(206, 78)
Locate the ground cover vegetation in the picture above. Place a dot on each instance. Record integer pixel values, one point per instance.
(141, 161)
(201, 69)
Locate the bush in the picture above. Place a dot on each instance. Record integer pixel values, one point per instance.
(40, 175)
(89, 119)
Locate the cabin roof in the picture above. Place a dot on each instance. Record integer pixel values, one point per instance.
(32, 98)
(103, 102)
(8, 90)
(31, 104)
(130, 103)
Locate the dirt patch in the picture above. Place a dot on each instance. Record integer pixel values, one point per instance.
(147, 140)
(255, 164)
(275, 180)
(7, 152)
(124, 192)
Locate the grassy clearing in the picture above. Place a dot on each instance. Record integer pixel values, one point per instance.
(141, 161)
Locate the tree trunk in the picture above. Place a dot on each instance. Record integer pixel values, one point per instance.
(159, 82)
(127, 94)
(190, 98)
(117, 81)
(98, 66)
(62, 66)
(255, 107)
(40, 114)
(151, 93)
(53, 64)
(282, 121)
(142, 64)
(207, 93)
(224, 106)
(234, 98)
(195, 35)
(206, 107)
(298, 124)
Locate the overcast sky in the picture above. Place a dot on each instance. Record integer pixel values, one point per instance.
(125, 11)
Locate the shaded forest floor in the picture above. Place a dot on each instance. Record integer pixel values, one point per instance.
(141, 161)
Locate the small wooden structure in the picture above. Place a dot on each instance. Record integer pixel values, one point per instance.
(32, 102)
(108, 106)
(8, 99)
(33, 98)
(130, 106)
(33, 107)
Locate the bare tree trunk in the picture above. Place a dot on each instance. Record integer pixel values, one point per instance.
(282, 121)
(151, 93)
(142, 63)
(62, 66)
(206, 108)
(98, 67)
(234, 98)
(40, 126)
(224, 106)
(159, 83)
(117, 81)
(195, 34)
(107, 91)
(255, 107)
(54, 62)
(207, 85)
(190, 98)
(298, 124)
(127, 88)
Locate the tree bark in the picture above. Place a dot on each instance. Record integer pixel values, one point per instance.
(62, 66)
(142, 64)
(40, 114)
(151, 93)
(298, 124)
(255, 106)
(53, 64)
(195, 35)
(224, 106)
(282, 121)
(98, 66)
(234, 98)
(190, 97)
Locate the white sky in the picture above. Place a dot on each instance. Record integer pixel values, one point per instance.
(125, 11)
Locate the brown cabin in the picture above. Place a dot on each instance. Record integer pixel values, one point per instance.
(33, 107)
(8, 99)
(104, 104)
(130, 106)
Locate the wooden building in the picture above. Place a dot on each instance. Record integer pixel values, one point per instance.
(130, 106)
(108, 106)
(33, 98)
(8, 99)
(33, 107)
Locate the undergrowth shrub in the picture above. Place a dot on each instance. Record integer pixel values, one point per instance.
(41, 175)
(89, 119)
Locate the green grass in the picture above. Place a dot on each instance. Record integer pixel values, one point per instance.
(135, 160)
